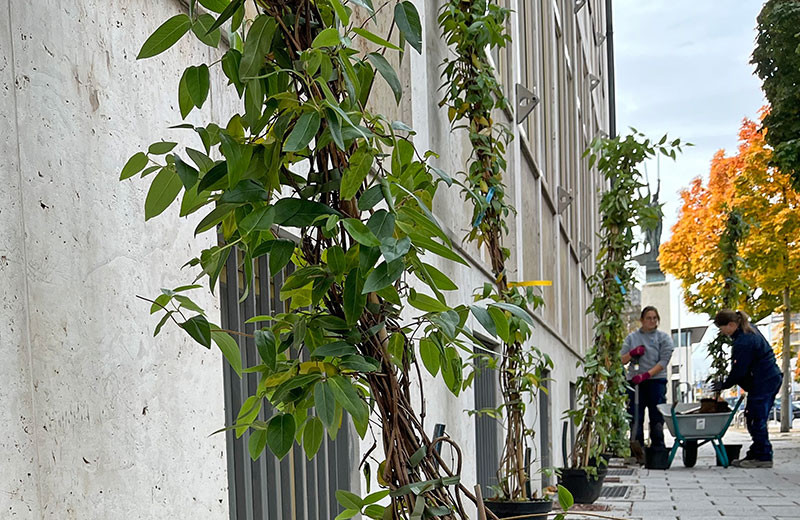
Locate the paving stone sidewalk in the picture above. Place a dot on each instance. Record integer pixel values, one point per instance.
(707, 491)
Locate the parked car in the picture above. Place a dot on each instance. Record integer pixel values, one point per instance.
(776, 410)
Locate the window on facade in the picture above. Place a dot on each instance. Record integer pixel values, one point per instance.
(268, 489)
(487, 429)
(546, 445)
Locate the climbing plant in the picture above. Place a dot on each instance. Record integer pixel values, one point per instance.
(473, 96)
(306, 154)
(601, 415)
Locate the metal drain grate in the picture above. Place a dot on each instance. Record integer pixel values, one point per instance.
(620, 472)
(614, 491)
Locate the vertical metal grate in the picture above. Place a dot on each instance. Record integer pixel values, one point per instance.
(268, 489)
(545, 436)
(487, 436)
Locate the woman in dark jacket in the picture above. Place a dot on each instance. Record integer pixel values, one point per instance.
(754, 369)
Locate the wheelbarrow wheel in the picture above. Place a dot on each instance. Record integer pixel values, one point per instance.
(690, 453)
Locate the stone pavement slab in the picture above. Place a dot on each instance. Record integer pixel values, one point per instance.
(707, 491)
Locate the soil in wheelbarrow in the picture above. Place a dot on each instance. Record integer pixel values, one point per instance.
(712, 406)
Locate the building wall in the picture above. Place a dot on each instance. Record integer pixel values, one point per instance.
(99, 419)
(107, 421)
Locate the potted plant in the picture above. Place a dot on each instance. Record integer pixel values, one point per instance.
(601, 417)
(472, 94)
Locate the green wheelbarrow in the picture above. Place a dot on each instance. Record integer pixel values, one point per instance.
(693, 430)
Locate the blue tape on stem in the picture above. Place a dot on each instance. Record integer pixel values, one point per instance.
(479, 219)
(490, 194)
(621, 287)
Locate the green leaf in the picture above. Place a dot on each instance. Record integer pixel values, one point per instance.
(430, 354)
(280, 434)
(227, 13)
(360, 363)
(565, 498)
(341, 11)
(326, 38)
(199, 329)
(257, 443)
(187, 174)
(356, 172)
(335, 349)
(366, 4)
(426, 303)
(354, 300)
(407, 19)
(165, 188)
(257, 46)
(336, 260)
(161, 147)
(346, 395)
(197, 84)
(230, 349)
(135, 164)
(388, 73)
(267, 347)
(165, 36)
(280, 255)
(436, 248)
(244, 192)
(500, 322)
(237, 157)
(230, 66)
(360, 232)
(216, 6)
(325, 404)
(484, 318)
(374, 38)
(304, 130)
(383, 276)
(381, 223)
(516, 311)
(313, 433)
(349, 500)
(259, 220)
(201, 27)
(369, 198)
(300, 212)
(393, 249)
(440, 280)
(185, 103)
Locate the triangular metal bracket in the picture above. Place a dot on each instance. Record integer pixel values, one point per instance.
(526, 102)
(583, 251)
(564, 199)
(594, 81)
(600, 38)
(579, 4)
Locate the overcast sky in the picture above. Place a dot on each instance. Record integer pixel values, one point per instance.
(682, 67)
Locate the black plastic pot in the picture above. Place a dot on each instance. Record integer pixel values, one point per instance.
(511, 509)
(656, 458)
(585, 489)
(733, 451)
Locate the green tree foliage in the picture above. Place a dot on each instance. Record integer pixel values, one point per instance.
(305, 153)
(777, 60)
(601, 415)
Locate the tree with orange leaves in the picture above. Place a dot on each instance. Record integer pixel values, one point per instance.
(715, 257)
(772, 249)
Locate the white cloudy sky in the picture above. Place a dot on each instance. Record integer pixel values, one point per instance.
(682, 67)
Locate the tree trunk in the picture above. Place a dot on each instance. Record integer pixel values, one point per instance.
(786, 357)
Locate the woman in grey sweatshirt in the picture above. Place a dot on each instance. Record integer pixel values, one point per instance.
(647, 352)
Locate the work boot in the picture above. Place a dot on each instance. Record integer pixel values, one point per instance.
(752, 463)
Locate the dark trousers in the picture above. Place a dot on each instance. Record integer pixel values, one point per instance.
(651, 393)
(759, 402)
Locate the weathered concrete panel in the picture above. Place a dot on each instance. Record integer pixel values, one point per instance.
(19, 497)
(120, 420)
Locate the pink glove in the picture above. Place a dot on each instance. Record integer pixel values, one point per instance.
(637, 351)
(640, 377)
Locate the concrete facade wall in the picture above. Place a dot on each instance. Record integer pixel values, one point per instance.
(99, 420)
(107, 421)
